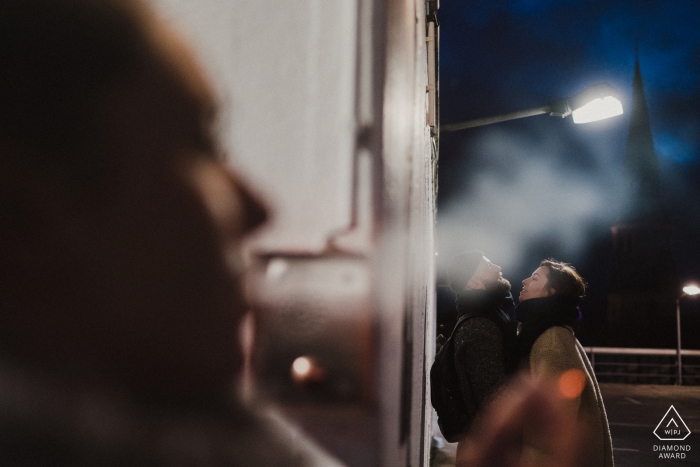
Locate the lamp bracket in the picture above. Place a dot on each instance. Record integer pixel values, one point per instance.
(560, 108)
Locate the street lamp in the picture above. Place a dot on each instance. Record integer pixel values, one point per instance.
(689, 289)
(595, 103)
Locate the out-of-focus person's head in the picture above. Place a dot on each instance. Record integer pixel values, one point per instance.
(120, 223)
(554, 278)
(527, 405)
(471, 270)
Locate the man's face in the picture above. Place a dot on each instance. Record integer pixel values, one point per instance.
(535, 286)
(487, 274)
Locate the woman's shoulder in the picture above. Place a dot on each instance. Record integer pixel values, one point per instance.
(565, 333)
(555, 339)
(554, 352)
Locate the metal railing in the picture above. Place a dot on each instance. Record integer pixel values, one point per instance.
(632, 365)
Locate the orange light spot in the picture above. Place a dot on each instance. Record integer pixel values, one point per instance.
(571, 383)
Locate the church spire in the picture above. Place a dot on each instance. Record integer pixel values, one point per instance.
(641, 161)
(644, 283)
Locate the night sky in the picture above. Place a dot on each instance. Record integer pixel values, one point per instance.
(543, 186)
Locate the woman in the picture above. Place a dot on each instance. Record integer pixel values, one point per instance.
(547, 311)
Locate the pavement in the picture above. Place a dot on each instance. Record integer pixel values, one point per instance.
(635, 411)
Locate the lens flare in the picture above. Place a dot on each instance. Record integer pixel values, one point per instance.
(571, 383)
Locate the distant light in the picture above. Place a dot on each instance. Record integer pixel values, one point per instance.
(308, 371)
(691, 289)
(301, 368)
(598, 109)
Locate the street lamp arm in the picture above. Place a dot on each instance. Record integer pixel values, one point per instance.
(497, 118)
(592, 104)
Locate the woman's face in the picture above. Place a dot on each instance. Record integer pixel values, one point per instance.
(535, 286)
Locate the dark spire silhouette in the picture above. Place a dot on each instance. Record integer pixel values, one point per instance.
(641, 161)
(644, 283)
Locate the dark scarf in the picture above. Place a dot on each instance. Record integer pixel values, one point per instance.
(539, 314)
(495, 305)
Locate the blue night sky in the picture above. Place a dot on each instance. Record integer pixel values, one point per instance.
(543, 186)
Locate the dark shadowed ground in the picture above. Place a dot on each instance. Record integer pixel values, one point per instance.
(634, 412)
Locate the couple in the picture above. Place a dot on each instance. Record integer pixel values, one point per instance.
(487, 349)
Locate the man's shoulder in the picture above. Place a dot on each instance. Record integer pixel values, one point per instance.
(475, 327)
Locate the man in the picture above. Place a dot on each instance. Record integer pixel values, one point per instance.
(484, 343)
(120, 264)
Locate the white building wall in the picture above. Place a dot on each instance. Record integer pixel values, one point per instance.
(286, 74)
(324, 110)
(407, 252)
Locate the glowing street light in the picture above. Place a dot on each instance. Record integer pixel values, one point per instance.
(595, 103)
(690, 289)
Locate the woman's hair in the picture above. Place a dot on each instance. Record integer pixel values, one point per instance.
(564, 279)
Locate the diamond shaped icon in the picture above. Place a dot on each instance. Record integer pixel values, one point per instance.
(671, 427)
